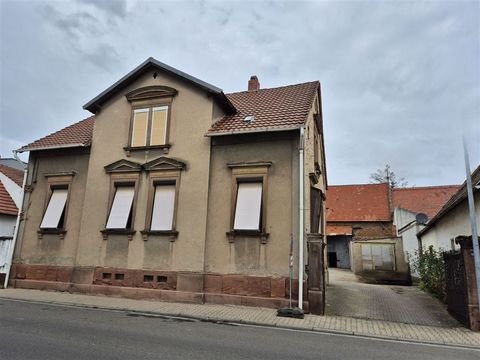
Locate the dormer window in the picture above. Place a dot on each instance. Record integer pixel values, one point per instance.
(149, 126)
(150, 121)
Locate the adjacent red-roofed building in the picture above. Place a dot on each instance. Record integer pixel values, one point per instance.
(361, 235)
(174, 189)
(11, 180)
(414, 207)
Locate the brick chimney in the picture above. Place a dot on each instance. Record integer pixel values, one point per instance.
(253, 83)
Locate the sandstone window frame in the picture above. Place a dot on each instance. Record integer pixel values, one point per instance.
(162, 171)
(150, 98)
(158, 179)
(249, 172)
(56, 181)
(118, 181)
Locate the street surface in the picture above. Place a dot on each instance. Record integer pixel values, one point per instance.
(39, 331)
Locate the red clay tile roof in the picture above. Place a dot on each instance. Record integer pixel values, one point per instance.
(339, 230)
(7, 206)
(367, 202)
(13, 174)
(428, 200)
(457, 198)
(280, 108)
(78, 134)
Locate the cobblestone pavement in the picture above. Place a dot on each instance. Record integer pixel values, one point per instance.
(258, 316)
(404, 304)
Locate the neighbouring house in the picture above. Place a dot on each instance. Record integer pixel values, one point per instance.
(10, 198)
(361, 235)
(174, 190)
(413, 207)
(453, 219)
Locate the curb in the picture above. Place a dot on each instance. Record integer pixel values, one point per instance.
(240, 322)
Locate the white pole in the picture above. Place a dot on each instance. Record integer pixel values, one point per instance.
(17, 224)
(301, 222)
(473, 222)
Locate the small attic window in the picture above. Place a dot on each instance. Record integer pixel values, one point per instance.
(249, 119)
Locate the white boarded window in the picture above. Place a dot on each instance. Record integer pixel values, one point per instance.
(163, 207)
(121, 211)
(248, 209)
(55, 213)
(140, 127)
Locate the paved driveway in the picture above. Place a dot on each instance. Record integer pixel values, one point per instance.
(405, 304)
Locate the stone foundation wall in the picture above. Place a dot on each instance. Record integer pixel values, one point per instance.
(161, 285)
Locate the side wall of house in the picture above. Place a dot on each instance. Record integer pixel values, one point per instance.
(455, 223)
(52, 249)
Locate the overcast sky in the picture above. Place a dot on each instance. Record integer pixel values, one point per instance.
(400, 79)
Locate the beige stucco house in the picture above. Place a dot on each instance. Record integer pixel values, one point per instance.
(174, 190)
(453, 219)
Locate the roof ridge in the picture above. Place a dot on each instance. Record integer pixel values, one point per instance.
(427, 187)
(376, 184)
(272, 88)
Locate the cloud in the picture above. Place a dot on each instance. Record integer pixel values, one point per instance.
(114, 7)
(400, 80)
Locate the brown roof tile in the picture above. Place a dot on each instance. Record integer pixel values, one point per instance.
(7, 206)
(428, 200)
(278, 108)
(13, 174)
(367, 202)
(79, 134)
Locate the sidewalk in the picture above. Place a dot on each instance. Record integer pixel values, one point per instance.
(258, 316)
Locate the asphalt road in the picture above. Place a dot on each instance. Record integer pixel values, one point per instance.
(38, 331)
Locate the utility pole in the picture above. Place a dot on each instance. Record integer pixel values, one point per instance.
(473, 222)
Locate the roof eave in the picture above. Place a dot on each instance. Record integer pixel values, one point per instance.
(53, 147)
(251, 131)
(94, 104)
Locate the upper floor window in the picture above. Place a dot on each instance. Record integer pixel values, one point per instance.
(149, 126)
(150, 121)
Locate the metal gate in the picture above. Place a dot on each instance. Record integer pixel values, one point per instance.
(456, 286)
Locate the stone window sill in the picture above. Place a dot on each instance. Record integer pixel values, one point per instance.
(164, 147)
(60, 232)
(128, 232)
(171, 234)
(247, 233)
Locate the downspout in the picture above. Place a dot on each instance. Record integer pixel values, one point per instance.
(17, 225)
(300, 219)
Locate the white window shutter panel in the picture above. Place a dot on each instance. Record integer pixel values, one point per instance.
(248, 207)
(55, 208)
(163, 207)
(121, 207)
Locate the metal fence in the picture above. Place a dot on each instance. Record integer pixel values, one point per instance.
(456, 286)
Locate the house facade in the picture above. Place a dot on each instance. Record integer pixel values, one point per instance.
(174, 190)
(453, 219)
(414, 207)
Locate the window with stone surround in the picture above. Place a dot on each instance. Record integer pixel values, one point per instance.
(150, 117)
(55, 212)
(248, 198)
